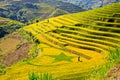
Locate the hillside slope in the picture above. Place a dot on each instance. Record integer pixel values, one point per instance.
(8, 26)
(27, 10)
(88, 35)
(90, 4)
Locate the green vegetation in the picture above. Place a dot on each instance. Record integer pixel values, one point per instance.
(32, 39)
(74, 45)
(24, 11)
(37, 76)
(61, 57)
(34, 51)
(8, 26)
(2, 70)
(27, 35)
(28, 11)
(87, 34)
(112, 60)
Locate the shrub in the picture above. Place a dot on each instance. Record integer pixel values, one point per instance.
(34, 51)
(78, 24)
(2, 69)
(36, 41)
(27, 35)
(113, 59)
(37, 76)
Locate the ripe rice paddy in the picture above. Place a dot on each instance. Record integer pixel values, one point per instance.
(88, 34)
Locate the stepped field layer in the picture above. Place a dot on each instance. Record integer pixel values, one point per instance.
(90, 35)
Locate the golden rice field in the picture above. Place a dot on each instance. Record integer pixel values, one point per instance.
(90, 34)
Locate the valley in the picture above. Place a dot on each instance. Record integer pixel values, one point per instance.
(27, 11)
(62, 40)
(42, 41)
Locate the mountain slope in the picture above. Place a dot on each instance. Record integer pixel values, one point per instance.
(8, 26)
(64, 38)
(90, 4)
(27, 10)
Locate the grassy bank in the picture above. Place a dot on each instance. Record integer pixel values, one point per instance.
(112, 60)
(37, 76)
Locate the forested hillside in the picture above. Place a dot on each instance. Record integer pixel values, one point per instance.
(28, 10)
(8, 26)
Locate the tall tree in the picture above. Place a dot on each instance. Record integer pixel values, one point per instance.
(102, 3)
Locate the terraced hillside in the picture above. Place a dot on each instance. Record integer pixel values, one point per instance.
(88, 35)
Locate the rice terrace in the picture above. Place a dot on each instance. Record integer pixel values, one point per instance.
(77, 46)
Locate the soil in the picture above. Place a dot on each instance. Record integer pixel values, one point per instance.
(114, 73)
(17, 55)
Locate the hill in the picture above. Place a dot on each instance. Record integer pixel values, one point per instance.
(9, 37)
(28, 10)
(8, 26)
(90, 4)
(63, 39)
(13, 48)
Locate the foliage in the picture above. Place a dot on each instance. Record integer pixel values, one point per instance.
(31, 38)
(9, 27)
(27, 35)
(112, 60)
(78, 24)
(34, 51)
(2, 69)
(90, 42)
(26, 11)
(36, 76)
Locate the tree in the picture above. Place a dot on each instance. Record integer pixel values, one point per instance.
(102, 3)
